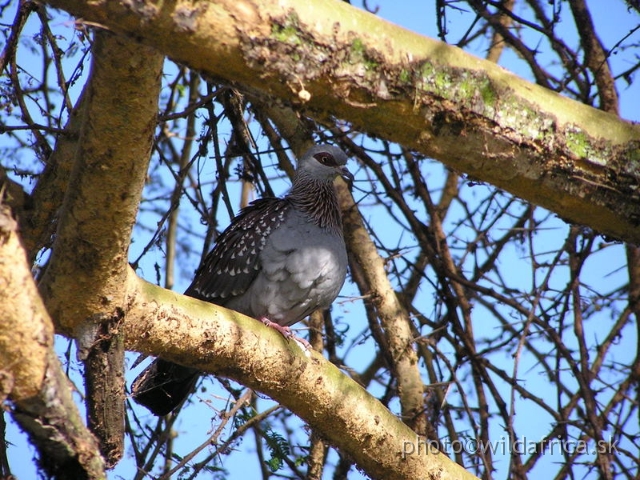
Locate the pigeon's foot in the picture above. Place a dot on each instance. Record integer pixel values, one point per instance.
(286, 333)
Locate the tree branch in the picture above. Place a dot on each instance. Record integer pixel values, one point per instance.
(83, 285)
(394, 318)
(42, 402)
(333, 59)
(220, 341)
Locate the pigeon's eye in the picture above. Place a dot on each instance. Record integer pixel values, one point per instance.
(325, 159)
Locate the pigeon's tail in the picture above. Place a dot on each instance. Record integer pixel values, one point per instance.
(163, 385)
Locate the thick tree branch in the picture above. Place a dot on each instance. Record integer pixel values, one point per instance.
(92, 240)
(220, 341)
(334, 59)
(29, 334)
(83, 286)
(393, 317)
(33, 378)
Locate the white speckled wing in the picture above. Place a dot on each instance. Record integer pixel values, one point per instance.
(232, 265)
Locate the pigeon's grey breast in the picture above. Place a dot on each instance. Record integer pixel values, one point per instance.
(302, 268)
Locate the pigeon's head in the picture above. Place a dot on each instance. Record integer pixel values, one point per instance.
(325, 163)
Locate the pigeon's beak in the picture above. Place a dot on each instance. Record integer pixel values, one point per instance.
(346, 175)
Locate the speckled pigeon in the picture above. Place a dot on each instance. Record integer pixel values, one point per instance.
(279, 260)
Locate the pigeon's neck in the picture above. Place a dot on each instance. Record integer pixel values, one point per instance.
(319, 201)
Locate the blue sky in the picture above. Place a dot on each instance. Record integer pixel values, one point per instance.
(612, 23)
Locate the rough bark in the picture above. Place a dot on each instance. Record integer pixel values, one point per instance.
(89, 256)
(83, 286)
(333, 59)
(26, 330)
(32, 376)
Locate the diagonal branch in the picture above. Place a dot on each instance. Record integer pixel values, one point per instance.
(226, 343)
(334, 59)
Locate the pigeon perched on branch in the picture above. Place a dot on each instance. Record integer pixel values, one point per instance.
(279, 260)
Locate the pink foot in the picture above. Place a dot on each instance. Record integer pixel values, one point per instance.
(285, 332)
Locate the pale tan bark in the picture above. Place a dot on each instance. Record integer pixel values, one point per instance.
(331, 58)
(83, 285)
(25, 327)
(31, 374)
(393, 317)
(89, 256)
(37, 223)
